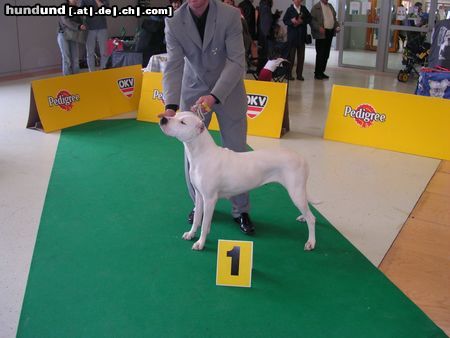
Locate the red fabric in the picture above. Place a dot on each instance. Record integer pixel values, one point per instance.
(111, 46)
(265, 75)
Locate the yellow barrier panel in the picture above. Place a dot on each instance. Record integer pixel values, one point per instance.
(61, 102)
(234, 263)
(401, 122)
(266, 104)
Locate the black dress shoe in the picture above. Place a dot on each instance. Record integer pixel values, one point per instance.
(300, 78)
(290, 78)
(245, 224)
(318, 77)
(191, 217)
(325, 76)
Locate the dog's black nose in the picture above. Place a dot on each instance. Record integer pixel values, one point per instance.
(163, 121)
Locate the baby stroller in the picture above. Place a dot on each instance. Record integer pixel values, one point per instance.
(415, 54)
(280, 74)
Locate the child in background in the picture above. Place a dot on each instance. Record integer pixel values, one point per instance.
(266, 73)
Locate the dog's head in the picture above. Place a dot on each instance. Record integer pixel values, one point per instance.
(185, 126)
(438, 88)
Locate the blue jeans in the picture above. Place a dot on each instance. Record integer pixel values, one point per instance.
(69, 54)
(100, 35)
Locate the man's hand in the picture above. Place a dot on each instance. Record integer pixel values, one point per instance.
(167, 113)
(338, 29)
(296, 21)
(206, 102)
(322, 30)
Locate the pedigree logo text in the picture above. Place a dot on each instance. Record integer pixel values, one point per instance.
(158, 96)
(63, 100)
(364, 115)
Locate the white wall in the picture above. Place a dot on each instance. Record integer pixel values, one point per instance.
(29, 43)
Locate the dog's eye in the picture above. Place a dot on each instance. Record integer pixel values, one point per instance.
(182, 122)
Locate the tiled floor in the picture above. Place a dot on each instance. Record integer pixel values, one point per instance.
(366, 193)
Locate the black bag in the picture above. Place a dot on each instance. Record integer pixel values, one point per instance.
(308, 39)
(74, 35)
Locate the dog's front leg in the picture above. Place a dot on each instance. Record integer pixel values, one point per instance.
(198, 212)
(208, 209)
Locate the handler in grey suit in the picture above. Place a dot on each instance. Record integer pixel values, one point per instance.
(206, 65)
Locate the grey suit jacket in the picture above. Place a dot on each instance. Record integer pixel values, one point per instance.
(317, 20)
(215, 66)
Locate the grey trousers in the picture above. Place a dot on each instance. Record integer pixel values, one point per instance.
(234, 136)
(69, 55)
(93, 36)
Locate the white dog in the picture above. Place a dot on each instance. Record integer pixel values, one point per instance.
(438, 88)
(217, 172)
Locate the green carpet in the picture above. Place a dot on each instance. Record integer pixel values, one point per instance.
(109, 260)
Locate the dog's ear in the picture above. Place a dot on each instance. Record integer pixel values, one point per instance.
(201, 127)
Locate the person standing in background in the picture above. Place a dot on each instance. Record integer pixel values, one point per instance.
(151, 38)
(97, 32)
(69, 37)
(245, 30)
(176, 4)
(296, 18)
(249, 13)
(265, 25)
(324, 27)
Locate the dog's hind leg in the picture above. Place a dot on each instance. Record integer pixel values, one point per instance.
(297, 193)
(208, 209)
(198, 213)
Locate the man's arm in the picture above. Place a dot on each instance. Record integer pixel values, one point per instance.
(315, 25)
(234, 69)
(173, 73)
(306, 15)
(287, 18)
(337, 27)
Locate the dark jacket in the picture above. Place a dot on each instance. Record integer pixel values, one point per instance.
(72, 23)
(150, 39)
(265, 19)
(248, 11)
(317, 21)
(97, 21)
(153, 30)
(296, 34)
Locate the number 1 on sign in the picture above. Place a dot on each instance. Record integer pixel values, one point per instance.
(234, 263)
(235, 255)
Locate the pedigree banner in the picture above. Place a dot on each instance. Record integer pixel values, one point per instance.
(401, 122)
(66, 101)
(266, 105)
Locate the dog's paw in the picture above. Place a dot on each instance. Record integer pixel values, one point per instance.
(301, 218)
(310, 245)
(198, 246)
(188, 236)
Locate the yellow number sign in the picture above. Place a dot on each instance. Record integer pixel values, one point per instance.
(234, 263)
